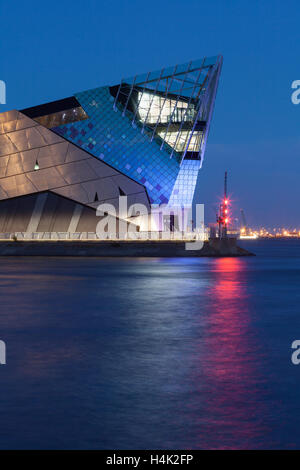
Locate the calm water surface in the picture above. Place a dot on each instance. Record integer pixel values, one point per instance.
(151, 353)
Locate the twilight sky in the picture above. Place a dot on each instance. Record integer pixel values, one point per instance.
(50, 50)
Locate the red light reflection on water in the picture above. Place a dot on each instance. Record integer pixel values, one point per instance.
(227, 379)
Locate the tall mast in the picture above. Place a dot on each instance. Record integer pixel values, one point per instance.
(225, 207)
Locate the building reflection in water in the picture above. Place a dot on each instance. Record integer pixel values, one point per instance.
(226, 377)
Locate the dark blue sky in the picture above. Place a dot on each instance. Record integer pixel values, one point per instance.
(49, 50)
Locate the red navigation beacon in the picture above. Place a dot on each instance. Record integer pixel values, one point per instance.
(223, 217)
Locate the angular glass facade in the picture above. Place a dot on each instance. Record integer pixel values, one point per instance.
(144, 139)
(152, 128)
(111, 137)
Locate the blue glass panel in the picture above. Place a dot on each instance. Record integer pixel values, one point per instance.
(110, 136)
(121, 138)
(184, 188)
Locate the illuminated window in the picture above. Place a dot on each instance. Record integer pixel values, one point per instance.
(153, 108)
(62, 117)
(179, 141)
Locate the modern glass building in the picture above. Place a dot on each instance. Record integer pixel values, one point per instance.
(144, 138)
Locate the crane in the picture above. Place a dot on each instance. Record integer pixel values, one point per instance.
(244, 228)
(245, 231)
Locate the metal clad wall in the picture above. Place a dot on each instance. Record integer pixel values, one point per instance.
(88, 221)
(16, 213)
(35, 159)
(46, 220)
(54, 216)
(63, 214)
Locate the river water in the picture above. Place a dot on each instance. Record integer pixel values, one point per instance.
(151, 353)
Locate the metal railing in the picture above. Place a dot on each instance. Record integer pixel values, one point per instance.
(143, 236)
